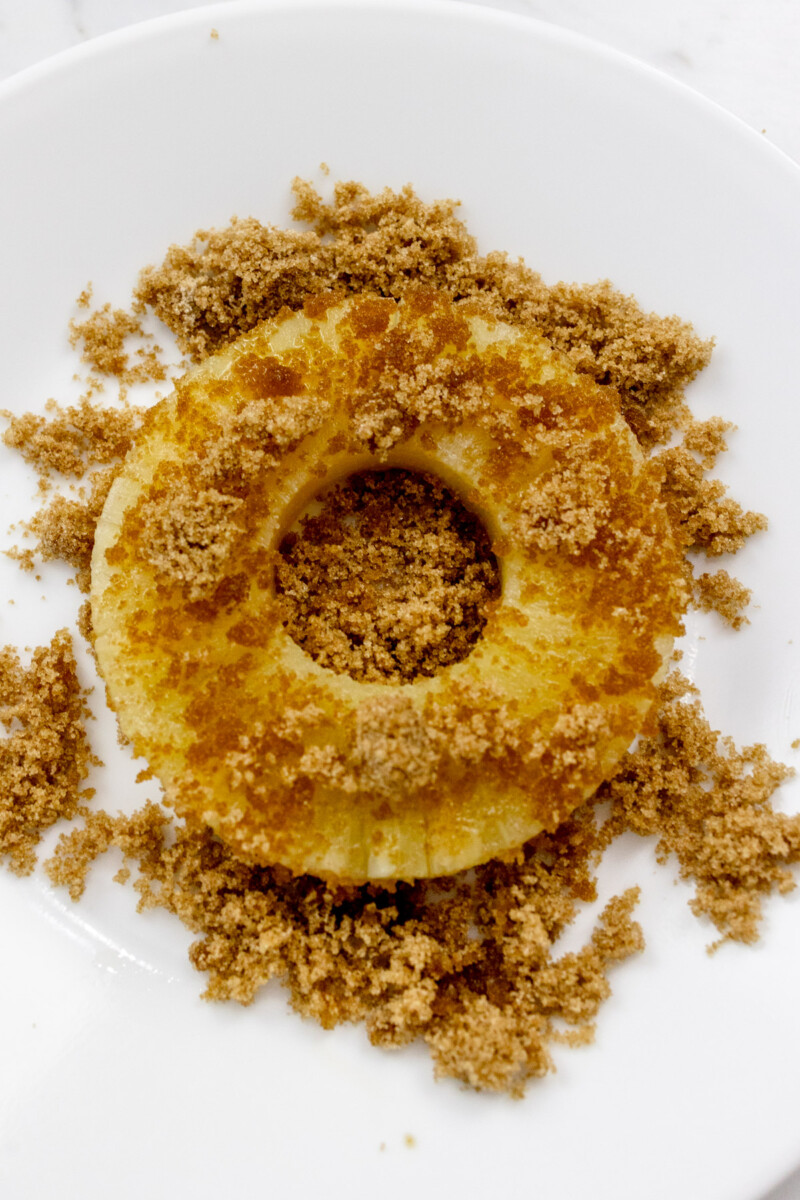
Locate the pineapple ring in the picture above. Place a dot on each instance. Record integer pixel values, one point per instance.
(291, 763)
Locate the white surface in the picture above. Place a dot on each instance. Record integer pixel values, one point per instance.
(114, 1073)
(740, 53)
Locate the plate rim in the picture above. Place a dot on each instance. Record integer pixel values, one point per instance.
(224, 10)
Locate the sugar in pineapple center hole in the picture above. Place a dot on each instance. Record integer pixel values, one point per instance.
(387, 576)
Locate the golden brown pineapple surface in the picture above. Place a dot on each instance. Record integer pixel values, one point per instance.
(292, 763)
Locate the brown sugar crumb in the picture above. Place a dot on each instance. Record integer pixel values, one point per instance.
(70, 441)
(704, 516)
(85, 622)
(647, 358)
(391, 580)
(140, 836)
(189, 537)
(102, 338)
(707, 439)
(466, 964)
(65, 528)
(709, 804)
(44, 756)
(393, 748)
(380, 242)
(22, 555)
(73, 438)
(723, 594)
(226, 281)
(563, 511)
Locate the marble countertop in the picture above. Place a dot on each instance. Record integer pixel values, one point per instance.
(740, 53)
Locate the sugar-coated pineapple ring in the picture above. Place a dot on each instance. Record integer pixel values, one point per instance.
(292, 763)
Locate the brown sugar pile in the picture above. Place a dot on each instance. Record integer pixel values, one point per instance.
(391, 580)
(388, 581)
(72, 441)
(44, 755)
(226, 281)
(469, 964)
(709, 804)
(190, 537)
(466, 964)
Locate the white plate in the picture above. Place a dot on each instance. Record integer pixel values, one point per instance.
(114, 1075)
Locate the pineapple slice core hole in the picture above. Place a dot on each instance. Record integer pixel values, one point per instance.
(386, 576)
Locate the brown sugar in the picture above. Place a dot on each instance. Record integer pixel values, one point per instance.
(222, 285)
(45, 755)
(65, 528)
(564, 511)
(390, 580)
(707, 439)
(709, 804)
(720, 592)
(704, 516)
(188, 538)
(469, 964)
(102, 338)
(226, 281)
(382, 242)
(648, 359)
(70, 440)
